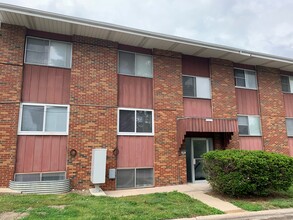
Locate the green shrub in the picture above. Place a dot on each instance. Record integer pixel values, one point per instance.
(239, 173)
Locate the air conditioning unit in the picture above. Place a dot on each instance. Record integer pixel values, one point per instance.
(98, 172)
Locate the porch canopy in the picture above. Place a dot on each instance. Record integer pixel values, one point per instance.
(190, 124)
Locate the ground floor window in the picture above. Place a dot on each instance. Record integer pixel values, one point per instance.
(27, 177)
(135, 177)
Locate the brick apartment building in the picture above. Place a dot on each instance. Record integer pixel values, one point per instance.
(154, 102)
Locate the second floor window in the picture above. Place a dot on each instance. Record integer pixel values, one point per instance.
(196, 87)
(135, 64)
(249, 125)
(289, 126)
(245, 78)
(48, 52)
(287, 84)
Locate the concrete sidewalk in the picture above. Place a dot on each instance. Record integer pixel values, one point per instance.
(275, 214)
(197, 191)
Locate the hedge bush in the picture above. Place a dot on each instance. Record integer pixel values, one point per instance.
(240, 173)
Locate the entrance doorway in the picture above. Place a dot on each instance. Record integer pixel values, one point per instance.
(198, 147)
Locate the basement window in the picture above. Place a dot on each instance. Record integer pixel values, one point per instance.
(135, 121)
(245, 79)
(135, 178)
(29, 177)
(196, 87)
(135, 64)
(43, 119)
(249, 125)
(48, 52)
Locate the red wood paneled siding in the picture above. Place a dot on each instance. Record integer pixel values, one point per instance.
(247, 101)
(195, 66)
(250, 143)
(288, 101)
(135, 151)
(202, 125)
(135, 92)
(44, 84)
(197, 108)
(290, 142)
(41, 154)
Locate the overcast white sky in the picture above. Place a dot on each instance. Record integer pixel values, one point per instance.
(258, 25)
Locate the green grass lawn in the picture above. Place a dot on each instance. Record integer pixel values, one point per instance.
(274, 201)
(152, 206)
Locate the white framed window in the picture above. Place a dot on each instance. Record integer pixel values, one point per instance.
(135, 64)
(138, 122)
(249, 125)
(245, 78)
(43, 119)
(135, 177)
(48, 52)
(196, 87)
(289, 126)
(287, 83)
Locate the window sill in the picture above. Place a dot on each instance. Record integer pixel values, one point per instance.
(190, 97)
(240, 87)
(125, 74)
(247, 135)
(134, 134)
(42, 133)
(46, 65)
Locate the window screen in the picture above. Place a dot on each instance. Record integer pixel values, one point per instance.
(126, 121)
(127, 63)
(289, 126)
(144, 121)
(189, 89)
(125, 178)
(203, 87)
(27, 177)
(144, 177)
(243, 125)
(32, 118)
(285, 80)
(239, 78)
(53, 176)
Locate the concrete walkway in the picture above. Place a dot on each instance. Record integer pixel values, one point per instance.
(197, 191)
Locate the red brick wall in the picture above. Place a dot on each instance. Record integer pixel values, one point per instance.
(272, 110)
(168, 105)
(12, 40)
(223, 93)
(93, 113)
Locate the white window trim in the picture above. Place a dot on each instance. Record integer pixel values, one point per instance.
(244, 87)
(44, 118)
(196, 97)
(290, 83)
(250, 135)
(39, 64)
(135, 133)
(286, 125)
(125, 51)
(137, 168)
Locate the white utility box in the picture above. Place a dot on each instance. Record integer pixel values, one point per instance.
(98, 174)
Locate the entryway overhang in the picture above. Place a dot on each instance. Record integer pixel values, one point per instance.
(190, 124)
